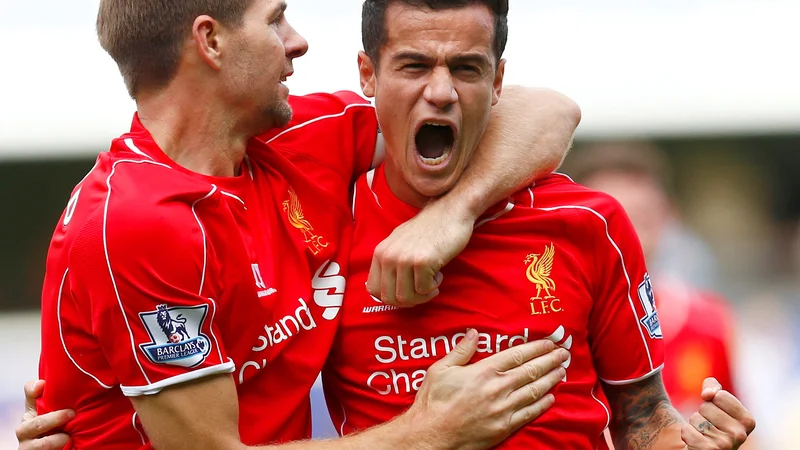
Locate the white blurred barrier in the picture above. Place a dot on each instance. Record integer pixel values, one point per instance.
(19, 351)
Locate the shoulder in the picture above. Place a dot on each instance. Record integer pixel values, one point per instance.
(558, 192)
(323, 110)
(311, 106)
(146, 213)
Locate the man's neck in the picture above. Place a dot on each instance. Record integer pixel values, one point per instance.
(400, 187)
(197, 133)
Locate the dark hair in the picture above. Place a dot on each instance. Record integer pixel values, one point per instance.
(373, 21)
(145, 37)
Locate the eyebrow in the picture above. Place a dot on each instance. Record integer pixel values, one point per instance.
(478, 59)
(279, 8)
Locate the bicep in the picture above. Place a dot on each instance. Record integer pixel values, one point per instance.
(195, 415)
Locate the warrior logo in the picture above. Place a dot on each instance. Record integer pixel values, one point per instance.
(175, 335)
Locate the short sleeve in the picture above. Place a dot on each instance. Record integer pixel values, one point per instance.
(336, 132)
(624, 329)
(143, 275)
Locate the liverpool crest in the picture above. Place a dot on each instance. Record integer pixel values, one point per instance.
(294, 211)
(540, 265)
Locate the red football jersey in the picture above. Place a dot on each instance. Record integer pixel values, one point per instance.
(157, 275)
(697, 344)
(556, 261)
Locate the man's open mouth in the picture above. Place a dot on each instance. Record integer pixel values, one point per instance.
(434, 142)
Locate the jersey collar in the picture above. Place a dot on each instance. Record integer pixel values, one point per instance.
(401, 211)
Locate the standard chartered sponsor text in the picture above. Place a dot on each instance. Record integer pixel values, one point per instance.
(391, 349)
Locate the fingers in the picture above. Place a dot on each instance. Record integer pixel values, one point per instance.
(404, 286)
(536, 390)
(389, 286)
(426, 278)
(54, 442)
(374, 278)
(710, 387)
(532, 411)
(723, 422)
(33, 390)
(462, 352)
(519, 355)
(693, 439)
(537, 368)
(44, 424)
(732, 407)
(714, 437)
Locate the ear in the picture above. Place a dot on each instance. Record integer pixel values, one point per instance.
(498, 81)
(366, 70)
(207, 40)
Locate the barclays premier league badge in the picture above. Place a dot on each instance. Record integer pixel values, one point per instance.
(176, 337)
(650, 319)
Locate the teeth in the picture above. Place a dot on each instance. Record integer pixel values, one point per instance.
(435, 161)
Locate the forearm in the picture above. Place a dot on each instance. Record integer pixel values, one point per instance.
(642, 417)
(397, 433)
(528, 136)
(658, 429)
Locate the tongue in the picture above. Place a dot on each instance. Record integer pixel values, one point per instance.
(432, 141)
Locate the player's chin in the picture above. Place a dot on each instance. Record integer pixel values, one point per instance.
(430, 185)
(281, 114)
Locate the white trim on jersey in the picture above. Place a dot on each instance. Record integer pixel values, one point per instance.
(96, 163)
(506, 210)
(370, 179)
(211, 327)
(203, 233)
(108, 260)
(61, 334)
(608, 414)
(155, 388)
(135, 149)
(317, 119)
(228, 194)
(380, 151)
(624, 269)
(133, 423)
(249, 168)
(344, 421)
(353, 201)
(634, 380)
(530, 191)
(564, 175)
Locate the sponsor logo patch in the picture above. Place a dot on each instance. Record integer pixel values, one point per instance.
(175, 335)
(650, 319)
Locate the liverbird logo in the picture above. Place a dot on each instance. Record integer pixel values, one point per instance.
(294, 211)
(539, 268)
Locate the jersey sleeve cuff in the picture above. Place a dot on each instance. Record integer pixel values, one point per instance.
(155, 388)
(634, 380)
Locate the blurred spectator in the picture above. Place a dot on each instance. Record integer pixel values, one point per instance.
(697, 323)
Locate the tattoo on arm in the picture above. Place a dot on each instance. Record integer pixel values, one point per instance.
(639, 412)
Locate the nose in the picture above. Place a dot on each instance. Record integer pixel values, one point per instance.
(440, 90)
(296, 45)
